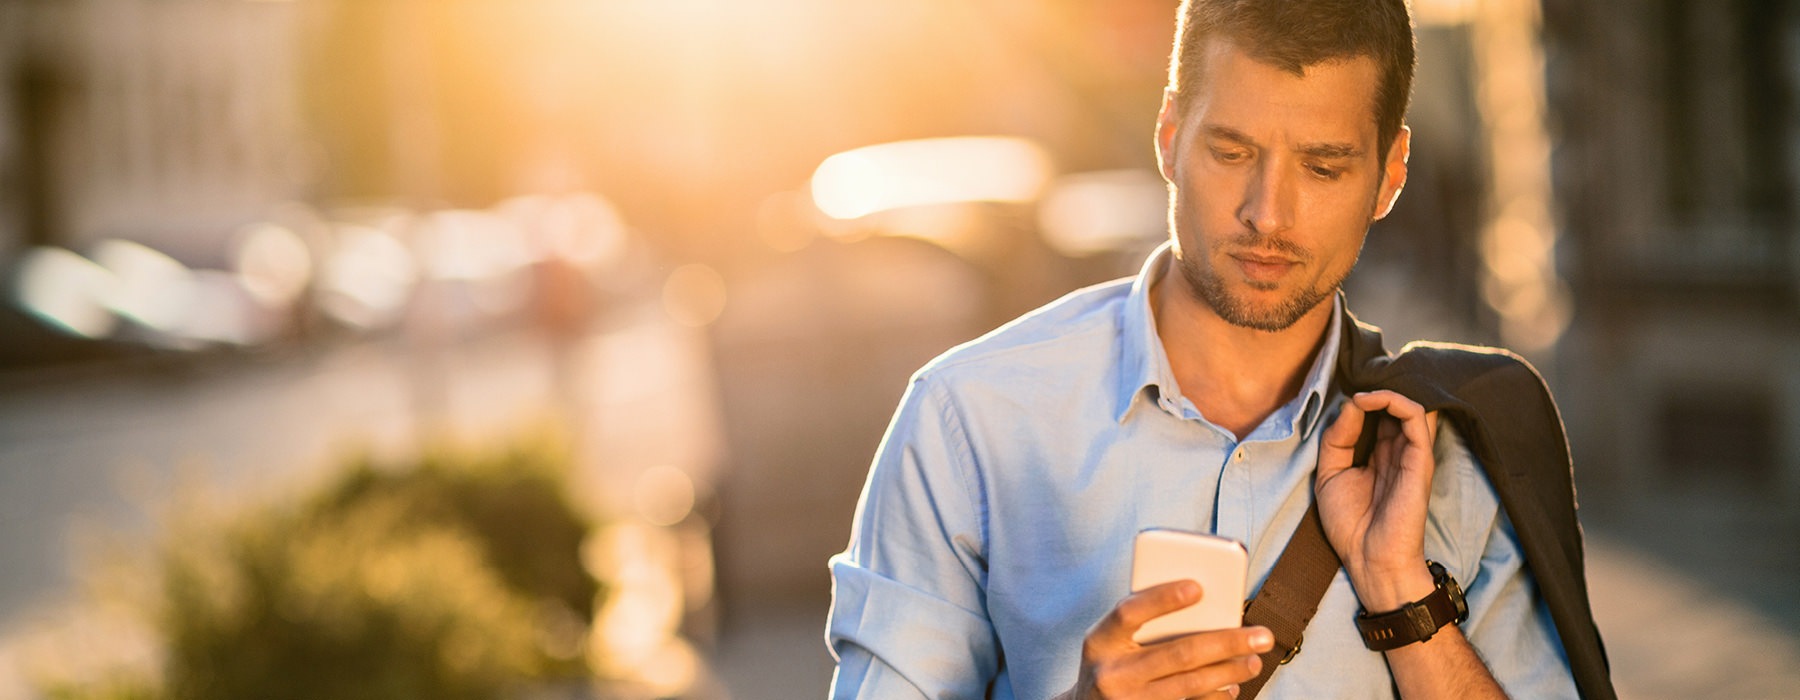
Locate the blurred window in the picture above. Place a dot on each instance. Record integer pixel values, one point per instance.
(1726, 112)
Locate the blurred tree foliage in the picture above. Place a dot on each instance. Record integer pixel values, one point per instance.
(457, 577)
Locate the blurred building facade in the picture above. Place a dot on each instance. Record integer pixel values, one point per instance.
(170, 123)
(1675, 171)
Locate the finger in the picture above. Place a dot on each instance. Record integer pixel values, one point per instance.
(1343, 432)
(1385, 444)
(1115, 630)
(1393, 402)
(1410, 413)
(1338, 445)
(1198, 650)
(1208, 679)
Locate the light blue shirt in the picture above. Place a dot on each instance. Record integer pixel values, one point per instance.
(997, 522)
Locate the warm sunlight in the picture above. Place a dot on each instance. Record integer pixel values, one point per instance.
(891, 176)
(369, 349)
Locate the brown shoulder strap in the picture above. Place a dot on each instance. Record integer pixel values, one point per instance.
(1290, 596)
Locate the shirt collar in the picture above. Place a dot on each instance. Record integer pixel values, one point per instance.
(1145, 364)
(1320, 379)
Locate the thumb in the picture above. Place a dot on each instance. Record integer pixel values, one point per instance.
(1337, 449)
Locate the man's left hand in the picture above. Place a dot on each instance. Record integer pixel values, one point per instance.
(1374, 516)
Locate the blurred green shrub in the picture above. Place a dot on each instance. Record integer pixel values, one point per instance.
(513, 503)
(457, 577)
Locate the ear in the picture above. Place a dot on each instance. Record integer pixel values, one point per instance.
(1393, 175)
(1168, 121)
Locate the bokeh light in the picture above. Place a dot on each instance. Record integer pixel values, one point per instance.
(367, 277)
(694, 295)
(664, 495)
(222, 310)
(273, 263)
(468, 245)
(1088, 213)
(891, 176)
(153, 288)
(66, 290)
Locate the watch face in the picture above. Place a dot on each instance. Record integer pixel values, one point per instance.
(1456, 597)
(1451, 589)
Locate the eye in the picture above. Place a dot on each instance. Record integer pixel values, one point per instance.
(1229, 156)
(1324, 173)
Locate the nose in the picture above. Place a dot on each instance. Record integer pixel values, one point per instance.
(1268, 204)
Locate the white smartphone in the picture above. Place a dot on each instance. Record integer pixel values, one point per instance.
(1219, 564)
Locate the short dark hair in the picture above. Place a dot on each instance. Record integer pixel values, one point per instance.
(1293, 34)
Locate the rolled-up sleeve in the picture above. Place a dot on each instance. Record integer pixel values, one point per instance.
(1514, 633)
(908, 617)
(1508, 624)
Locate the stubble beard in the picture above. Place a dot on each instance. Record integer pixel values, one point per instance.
(1209, 287)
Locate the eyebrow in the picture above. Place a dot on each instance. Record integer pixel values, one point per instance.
(1316, 150)
(1331, 150)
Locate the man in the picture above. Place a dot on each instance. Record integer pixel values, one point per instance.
(991, 550)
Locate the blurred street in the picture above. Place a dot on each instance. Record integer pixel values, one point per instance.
(1692, 592)
(92, 461)
(245, 245)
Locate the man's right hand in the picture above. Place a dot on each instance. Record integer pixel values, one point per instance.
(1207, 665)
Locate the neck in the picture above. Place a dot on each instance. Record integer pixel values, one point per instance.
(1236, 376)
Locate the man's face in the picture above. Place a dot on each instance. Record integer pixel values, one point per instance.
(1275, 181)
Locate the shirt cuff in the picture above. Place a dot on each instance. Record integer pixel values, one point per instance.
(936, 648)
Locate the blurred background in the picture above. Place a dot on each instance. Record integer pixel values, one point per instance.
(463, 348)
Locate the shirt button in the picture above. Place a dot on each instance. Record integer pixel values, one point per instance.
(1240, 454)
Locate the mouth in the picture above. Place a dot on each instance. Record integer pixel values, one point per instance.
(1260, 267)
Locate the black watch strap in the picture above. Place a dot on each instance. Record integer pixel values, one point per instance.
(1416, 621)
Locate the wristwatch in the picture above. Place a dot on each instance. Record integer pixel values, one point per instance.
(1418, 620)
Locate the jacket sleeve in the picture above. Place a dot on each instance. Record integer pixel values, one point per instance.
(908, 617)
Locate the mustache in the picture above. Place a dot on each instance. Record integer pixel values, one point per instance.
(1254, 241)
